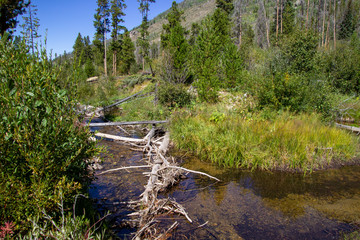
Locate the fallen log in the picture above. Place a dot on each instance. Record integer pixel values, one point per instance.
(351, 128)
(119, 138)
(126, 123)
(92, 79)
(97, 111)
(121, 101)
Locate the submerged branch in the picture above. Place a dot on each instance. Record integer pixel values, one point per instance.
(192, 171)
(124, 168)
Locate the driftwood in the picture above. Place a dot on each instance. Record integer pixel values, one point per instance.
(125, 123)
(164, 174)
(351, 128)
(119, 138)
(92, 79)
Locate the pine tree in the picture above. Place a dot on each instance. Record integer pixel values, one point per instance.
(101, 25)
(127, 52)
(288, 22)
(174, 43)
(347, 26)
(194, 32)
(221, 18)
(117, 13)
(205, 62)
(143, 40)
(88, 55)
(79, 48)
(216, 60)
(31, 27)
(225, 5)
(9, 10)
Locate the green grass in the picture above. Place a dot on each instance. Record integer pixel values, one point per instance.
(351, 236)
(141, 109)
(263, 140)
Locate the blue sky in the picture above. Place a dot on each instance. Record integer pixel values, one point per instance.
(64, 19)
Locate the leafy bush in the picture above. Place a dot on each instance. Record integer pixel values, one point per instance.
(343, 66)
(89, 68)
(298, 93)
(43, 147)
(172, 95)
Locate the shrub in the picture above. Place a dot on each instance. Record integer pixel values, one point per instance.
(172, 95)
(298, 93)
(89, 69)
(43, 146)
(343, 66)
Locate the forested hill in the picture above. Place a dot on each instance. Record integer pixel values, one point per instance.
(194, 12)
(261, 16)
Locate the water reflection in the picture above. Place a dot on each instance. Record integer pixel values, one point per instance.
(264, 205)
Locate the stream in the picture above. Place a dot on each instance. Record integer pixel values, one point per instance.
(244, 205)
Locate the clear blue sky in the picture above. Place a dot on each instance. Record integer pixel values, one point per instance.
(64, 19)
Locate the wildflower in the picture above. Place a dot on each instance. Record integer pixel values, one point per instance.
(7, 229)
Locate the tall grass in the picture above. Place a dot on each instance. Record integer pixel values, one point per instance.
(140, 109)
(250, 140)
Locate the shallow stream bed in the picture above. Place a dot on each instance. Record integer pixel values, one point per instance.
(244, 205)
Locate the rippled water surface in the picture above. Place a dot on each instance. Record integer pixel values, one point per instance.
(244, 205)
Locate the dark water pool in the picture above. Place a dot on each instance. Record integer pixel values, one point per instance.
(244, 205)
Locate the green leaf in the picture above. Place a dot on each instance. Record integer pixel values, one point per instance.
(13, 91)
(48, 110)
(44, 122)
(8, 136)
(38, 103)
(62, 93)
(30, 94)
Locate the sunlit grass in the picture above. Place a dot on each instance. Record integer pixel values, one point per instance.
(250, 140)
(139, 110)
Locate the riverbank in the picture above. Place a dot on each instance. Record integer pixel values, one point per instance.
(264, 140)
(234, 132)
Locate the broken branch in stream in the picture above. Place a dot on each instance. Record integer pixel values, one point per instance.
(150, 166)
(164, 173)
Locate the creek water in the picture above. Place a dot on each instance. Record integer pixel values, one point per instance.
(244, 205)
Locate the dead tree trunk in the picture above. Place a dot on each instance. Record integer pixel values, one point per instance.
(307, 14)
(277, 20)
(281, 16)
(323, 24)
(114, 63)
(105, 50)
(334, 24)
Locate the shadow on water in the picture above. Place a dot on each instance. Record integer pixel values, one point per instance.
(244, 205)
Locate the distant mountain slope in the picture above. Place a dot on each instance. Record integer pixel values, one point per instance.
(194, 11)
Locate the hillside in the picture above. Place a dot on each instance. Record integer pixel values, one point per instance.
(194, 11)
